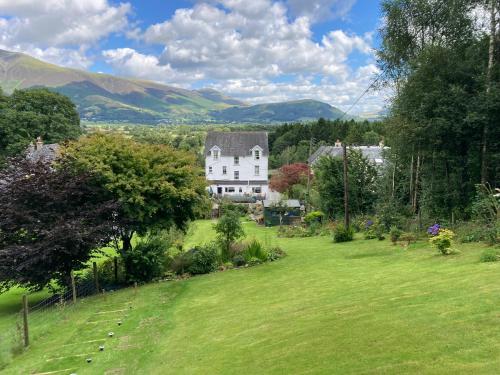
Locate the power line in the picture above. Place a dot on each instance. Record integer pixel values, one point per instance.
(361, 96)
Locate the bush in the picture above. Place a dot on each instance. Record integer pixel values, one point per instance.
(292, 231)
(408, 238)
(181, 263)
(255, 250)
(443, 241)
(254, 261)
(239, 209)
(341, 233)
(204, 259)
(275, 253)
(106, 272)
(314, 217)
(239, 261)
(147, 260)
(490, 255)
(395, 234)
(373, 229)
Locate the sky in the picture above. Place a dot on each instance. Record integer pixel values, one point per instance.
(257, 51)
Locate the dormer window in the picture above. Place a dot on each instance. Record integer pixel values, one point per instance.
(256, 154)
(215, 154)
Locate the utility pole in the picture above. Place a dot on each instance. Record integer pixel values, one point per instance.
(308, 206)
(346, 188)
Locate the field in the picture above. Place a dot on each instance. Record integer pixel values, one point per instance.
(365, 307)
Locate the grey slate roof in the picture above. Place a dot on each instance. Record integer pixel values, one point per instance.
(236, 143)
(374, 154)
(44, 153)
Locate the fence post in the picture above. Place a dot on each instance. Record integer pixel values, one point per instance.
(25, 321)
(73, 286)
(115, 263)
(96, 277)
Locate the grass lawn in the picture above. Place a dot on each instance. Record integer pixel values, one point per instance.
(364, 307)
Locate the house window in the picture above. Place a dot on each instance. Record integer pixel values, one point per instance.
(216, 154)
(210, 169)
(257, 170)
(257, 154)
(230, 189)
(224, 170)
(236, 160)
(236, 175)
(256, 190)
(241, 190)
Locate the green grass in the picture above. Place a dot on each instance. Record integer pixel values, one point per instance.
(365, 307)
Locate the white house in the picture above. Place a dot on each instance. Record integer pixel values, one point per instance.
(236, 163)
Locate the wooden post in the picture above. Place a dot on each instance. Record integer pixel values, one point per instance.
(346, 188)
(73, 286)
(96, 277)
(25, 321)
(115, 263)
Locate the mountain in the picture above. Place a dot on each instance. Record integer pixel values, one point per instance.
(103, 97)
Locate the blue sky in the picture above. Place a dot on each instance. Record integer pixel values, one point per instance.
(257, 51)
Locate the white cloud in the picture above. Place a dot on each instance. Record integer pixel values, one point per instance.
(321, 10)
(59, 30)
(258, 41)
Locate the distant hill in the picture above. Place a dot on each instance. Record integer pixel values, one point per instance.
(103, 97)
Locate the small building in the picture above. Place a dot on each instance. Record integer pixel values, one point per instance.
(40, 152)
(286, 212)
(374, 154)
(236, 164)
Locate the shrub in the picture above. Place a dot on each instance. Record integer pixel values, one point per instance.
(228, 229)
(254, 261)
(408, 238)
(395, 234)
(239, 261)
(314, 217)
(255, 250)
(341, 233)
(181, 263)
(147, 260)
(292, 231)
(443, 241)
(239, 209)
(275, 253)
(490, 255)
(106, 272)
(203, 259)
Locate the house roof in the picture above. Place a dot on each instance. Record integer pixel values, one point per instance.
(236, 143)
(375, 154)
(44, 153)
(291, 203)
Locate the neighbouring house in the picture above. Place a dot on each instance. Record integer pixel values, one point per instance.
(236, 164)
(285, 212)
(40, 152)
(374, 154)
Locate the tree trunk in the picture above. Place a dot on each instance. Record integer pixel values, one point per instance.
(491, 62)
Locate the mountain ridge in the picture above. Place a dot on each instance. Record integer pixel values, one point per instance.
(105, 97)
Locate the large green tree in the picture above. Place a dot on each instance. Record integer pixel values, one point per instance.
(362, 180)
(157, 187)
(28, 114)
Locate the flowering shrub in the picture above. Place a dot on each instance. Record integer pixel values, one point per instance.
(434, 229)
(442, 240)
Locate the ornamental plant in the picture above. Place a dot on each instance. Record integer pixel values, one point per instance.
(442, 240)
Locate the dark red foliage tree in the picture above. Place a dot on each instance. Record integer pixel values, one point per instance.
(289, 175)
(51, 220)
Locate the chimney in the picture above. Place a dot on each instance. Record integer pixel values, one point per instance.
(338, 143)
(38, 143)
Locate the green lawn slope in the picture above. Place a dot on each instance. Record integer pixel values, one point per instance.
(365, 307)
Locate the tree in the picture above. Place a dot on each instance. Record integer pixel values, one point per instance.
(157, 187)
(51, 220)
(228, 229)
(28, 114)
(290, 175)
(329, 181)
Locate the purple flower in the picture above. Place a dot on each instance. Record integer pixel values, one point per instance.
(434, 230)
(368, 224)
